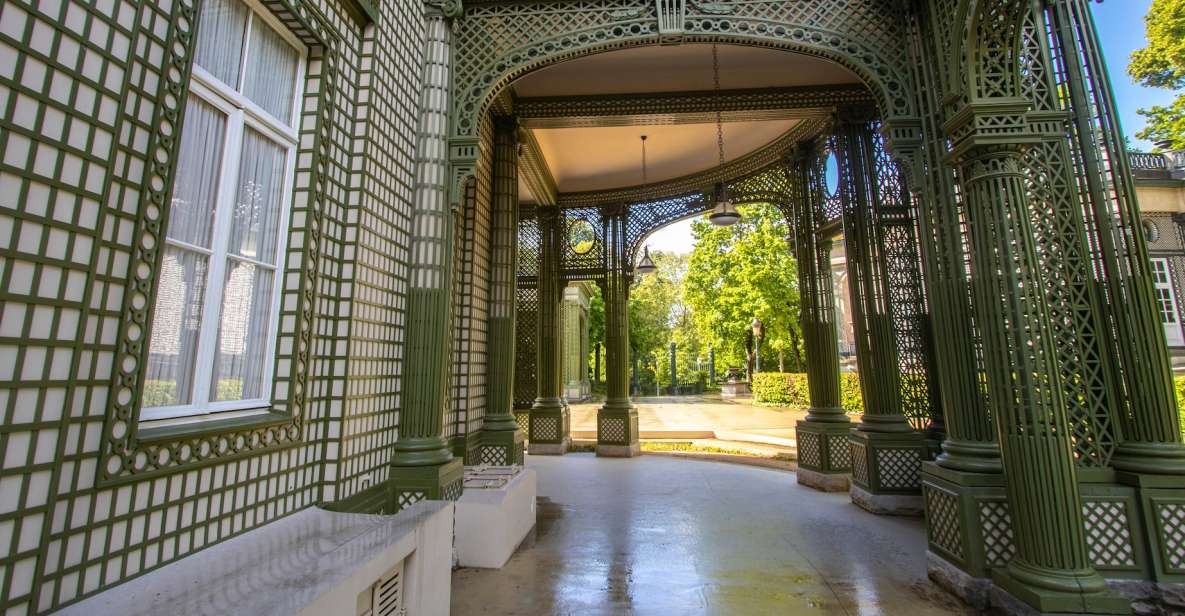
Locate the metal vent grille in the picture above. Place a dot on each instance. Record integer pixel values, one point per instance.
(385, 596)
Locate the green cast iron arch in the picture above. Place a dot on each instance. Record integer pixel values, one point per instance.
(497, 43)
(993, 48)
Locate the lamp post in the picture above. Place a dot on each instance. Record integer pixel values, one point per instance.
(756, 345)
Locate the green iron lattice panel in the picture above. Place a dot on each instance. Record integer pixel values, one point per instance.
(75, 162)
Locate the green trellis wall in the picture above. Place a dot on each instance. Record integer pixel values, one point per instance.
(95, 93)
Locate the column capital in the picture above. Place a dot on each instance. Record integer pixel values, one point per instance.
(447, 9)
(993, 122)
(615, 210)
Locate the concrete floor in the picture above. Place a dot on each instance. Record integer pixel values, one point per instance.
(658, 535)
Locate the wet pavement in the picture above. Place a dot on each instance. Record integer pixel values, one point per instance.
(658, 535)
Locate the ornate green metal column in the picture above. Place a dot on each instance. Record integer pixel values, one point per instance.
(1152, 434)
(824, 455)
(549, 423)
(1051, 569)
(963, 489)
(1148, 457)
(887, 451)
(501, 440)
(421, 465)
(617, 420)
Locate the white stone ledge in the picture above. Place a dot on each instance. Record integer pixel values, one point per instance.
(311, 562)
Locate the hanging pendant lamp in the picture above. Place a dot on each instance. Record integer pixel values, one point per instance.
(646, 265)
(724, 213)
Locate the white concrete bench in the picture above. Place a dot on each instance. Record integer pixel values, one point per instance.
(311, 562)
(492, 521)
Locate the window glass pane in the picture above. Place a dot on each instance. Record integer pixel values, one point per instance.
(176, 320)
(240, 360)
(221, 24)
(195, 191)
(271, 71)
(256, 220)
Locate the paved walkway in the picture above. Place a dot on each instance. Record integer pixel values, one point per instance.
(700, 417)
(656, 535)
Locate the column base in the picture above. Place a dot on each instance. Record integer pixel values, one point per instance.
(411, 484)
(500, 447)
(823, 447)
(967, 519)
(549, 449)
(824, 482)
(617, 430)
(974, 591)
(619, 451)
(549, 430)
(886, 504)
(886, 471)
(1013, 597)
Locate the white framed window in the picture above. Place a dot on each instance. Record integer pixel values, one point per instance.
(212, 344)
(1166, 302)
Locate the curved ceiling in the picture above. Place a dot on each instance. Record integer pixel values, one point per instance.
(680, 68)
(605, 157)
(600, 158)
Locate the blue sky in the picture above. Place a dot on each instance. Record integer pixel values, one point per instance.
(1121, 30)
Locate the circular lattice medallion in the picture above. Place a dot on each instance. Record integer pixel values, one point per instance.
(582, 237)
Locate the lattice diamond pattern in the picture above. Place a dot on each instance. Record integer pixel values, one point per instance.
(1108, 534)
(525, 331)
(841, 452)
(996, 525)
(407, 499)
(859, 461)
(613, 430)
(494, 456)
(452, 491)
(1171, 517)
(899, 468)
(545, 429)
(809, 451)
(943, 522)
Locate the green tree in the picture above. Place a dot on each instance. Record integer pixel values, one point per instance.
(658, 316)
(596, 326)
(1162, 65)
(740, 272)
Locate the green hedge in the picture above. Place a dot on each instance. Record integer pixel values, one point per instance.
(790, 389)
(1180, 387)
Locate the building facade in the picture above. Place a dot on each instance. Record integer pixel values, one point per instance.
(263, 255)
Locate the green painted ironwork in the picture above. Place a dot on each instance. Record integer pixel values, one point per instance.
(421, 464)
(823, 435)
(617, 419)
(502, 441)
(549, 425)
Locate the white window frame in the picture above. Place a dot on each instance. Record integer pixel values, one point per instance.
(241, 113)
(1172, 331)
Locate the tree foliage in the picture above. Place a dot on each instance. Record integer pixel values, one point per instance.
(659, 316)
(740, 272)
(1162, 65)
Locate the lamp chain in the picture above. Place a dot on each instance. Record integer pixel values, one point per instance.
(716, 88)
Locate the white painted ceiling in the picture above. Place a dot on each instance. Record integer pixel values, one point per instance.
(609, 157)
(601, 158)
